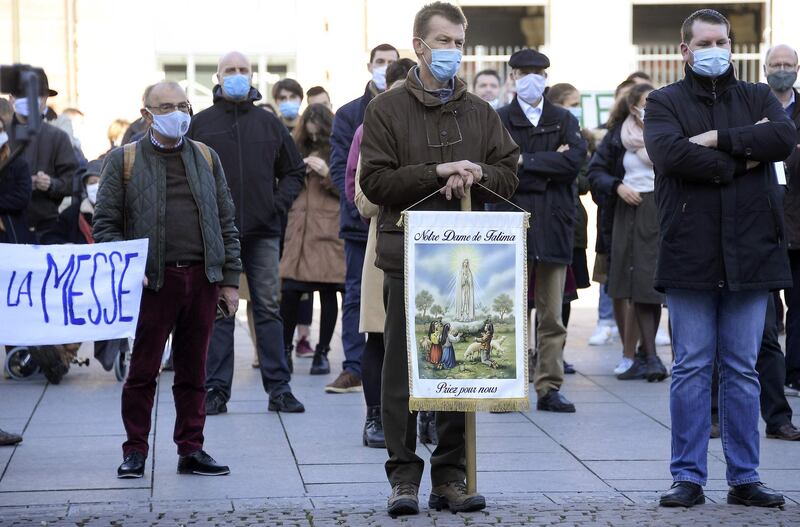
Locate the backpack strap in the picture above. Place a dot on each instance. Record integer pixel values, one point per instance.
(206, 151)
(128, 159)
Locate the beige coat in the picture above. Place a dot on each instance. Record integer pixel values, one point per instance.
(312, 250)
(373, 314)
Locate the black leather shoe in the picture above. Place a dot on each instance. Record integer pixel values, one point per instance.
(787, 432)
(638, 369)
(683, 494)
(286, 402)
(755, 495)
(8, 439)
(132, 466)
(215, 403)
(201, 464)
(555, 402)
(569, 369)
(320, 364)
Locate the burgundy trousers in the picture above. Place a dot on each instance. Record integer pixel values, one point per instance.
(186, 303)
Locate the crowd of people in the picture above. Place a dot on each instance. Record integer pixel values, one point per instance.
(280, 203)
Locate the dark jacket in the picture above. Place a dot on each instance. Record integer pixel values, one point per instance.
(721, 224)
(264, 170)
(51, 152)
(137, 210)
(605, 173)
(348, 118)
(398, 168)
(547, 179)
(15, 194)
(791, 203)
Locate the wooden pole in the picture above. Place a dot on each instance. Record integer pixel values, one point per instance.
(470, 428)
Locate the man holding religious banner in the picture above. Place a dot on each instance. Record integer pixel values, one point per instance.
(428, 142)
(171, 191)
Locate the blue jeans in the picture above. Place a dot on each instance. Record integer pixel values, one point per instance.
(605, 307)
(728, 325)
(260, 259)
(353, 342)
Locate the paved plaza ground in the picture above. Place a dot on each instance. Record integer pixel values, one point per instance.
(604, 465)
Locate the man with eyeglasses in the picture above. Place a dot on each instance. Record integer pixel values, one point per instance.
(427, 141)
(265, 173)
(780, 68)
(553, 152)
(172, 191)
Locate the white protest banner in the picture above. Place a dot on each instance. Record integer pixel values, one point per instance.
(466, 295)
(58, 294)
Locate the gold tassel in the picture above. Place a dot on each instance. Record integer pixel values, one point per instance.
(468, 405)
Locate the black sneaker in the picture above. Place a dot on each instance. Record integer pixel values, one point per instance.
(285, 402)
(215, 403)
(755, 495)
(132, 466)
(201, 464)
(638, 369)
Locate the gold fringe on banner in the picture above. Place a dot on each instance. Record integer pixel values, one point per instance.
(468, 405)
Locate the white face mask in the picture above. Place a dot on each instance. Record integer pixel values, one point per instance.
(379, 77)
(495, 103)
(173, 125)
(3, 139)
(91, 192)
(531, 87)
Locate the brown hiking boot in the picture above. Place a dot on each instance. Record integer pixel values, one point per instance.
(344, 383)
(403, 500)
(454, 496)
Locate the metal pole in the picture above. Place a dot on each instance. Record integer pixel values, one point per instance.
(469, 429)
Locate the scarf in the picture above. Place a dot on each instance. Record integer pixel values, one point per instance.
(633, 138)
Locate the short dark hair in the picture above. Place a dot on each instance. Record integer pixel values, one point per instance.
(382, 47)
(398, 70)
(704, 15)
(317, 90)
(290, 85)
(558, 92)
(450, 12)
(493, 73)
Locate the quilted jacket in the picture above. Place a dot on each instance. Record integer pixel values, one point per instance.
(137, 209)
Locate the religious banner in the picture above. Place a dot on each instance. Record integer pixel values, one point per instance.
(59, 294)
(466, 298)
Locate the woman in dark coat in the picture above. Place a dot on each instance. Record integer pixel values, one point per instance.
(634, 240)
(15, 194)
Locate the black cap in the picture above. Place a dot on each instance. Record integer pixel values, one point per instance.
(44, 86)
(529, 58)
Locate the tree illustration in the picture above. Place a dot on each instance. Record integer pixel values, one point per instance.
(503, 304)
(424, 300)
(437, 310)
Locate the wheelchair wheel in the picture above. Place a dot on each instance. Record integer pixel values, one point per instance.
(123, 360)
(19, 364)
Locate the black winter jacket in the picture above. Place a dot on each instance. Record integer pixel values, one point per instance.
(606, 171)
(51, 152)
(721, 223)
(15, 194)
(264, 170)
(792, 198)
(547, 179)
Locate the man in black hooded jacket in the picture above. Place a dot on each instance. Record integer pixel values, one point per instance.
(265, 173)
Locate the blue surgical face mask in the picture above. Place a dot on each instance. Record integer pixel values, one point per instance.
(21, 106)
(379, 77)
(576, 111)
(711, 62)
(173, 125)
(289, 109)
(236, 86)
(444, 62)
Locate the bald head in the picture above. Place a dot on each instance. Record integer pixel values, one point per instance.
(783, 51)
(780, 68)
(164, 92)
(232, 63)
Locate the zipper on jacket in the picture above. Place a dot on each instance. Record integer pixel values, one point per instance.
(683, 209)
(240, 208)
(714, 88)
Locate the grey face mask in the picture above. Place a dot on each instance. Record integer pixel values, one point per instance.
(781, 80)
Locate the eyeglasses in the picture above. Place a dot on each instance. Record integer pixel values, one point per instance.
(169, 107)
(444, 138)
